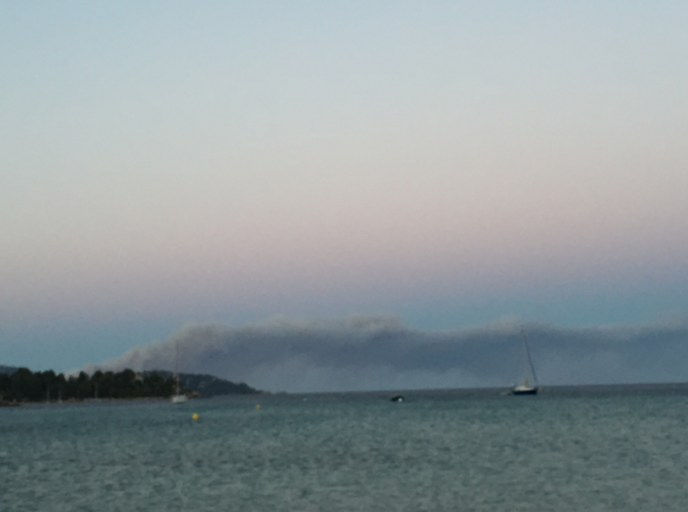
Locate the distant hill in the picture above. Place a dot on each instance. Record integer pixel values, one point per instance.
(209, 385)
(7, 370)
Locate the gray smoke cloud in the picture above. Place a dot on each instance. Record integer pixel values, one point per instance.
(381, 353)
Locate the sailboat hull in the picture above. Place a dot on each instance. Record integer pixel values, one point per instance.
(527, 391)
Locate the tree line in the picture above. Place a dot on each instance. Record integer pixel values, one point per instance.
(23, 385)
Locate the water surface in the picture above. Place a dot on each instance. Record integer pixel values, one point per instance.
(437, 451)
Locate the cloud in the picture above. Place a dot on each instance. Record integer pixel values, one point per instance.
(381, 353)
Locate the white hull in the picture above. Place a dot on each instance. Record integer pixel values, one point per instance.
(180, 399)
(524, 390)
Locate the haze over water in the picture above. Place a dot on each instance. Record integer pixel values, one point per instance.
(564, 450)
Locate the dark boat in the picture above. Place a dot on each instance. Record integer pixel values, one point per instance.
(397, 398)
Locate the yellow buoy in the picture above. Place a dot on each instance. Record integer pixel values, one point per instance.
(257, 406)
(194, 416)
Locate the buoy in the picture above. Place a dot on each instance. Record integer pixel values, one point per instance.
(194, 416)
(257, 406)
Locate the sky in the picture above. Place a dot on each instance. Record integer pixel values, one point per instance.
(445, 164)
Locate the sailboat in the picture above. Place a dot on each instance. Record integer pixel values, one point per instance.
(525, 388)
(177, 398)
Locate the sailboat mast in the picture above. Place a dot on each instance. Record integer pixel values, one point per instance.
(176, 368)
(530, 360)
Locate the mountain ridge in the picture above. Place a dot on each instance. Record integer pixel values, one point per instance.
(209, 385)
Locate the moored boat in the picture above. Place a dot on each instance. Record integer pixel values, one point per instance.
(178, 397)
(525, 388)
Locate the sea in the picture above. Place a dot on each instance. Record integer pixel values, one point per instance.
(567, 449)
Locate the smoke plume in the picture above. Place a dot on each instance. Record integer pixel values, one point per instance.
(381, 353)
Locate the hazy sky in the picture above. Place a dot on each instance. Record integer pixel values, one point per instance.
(449, 163)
